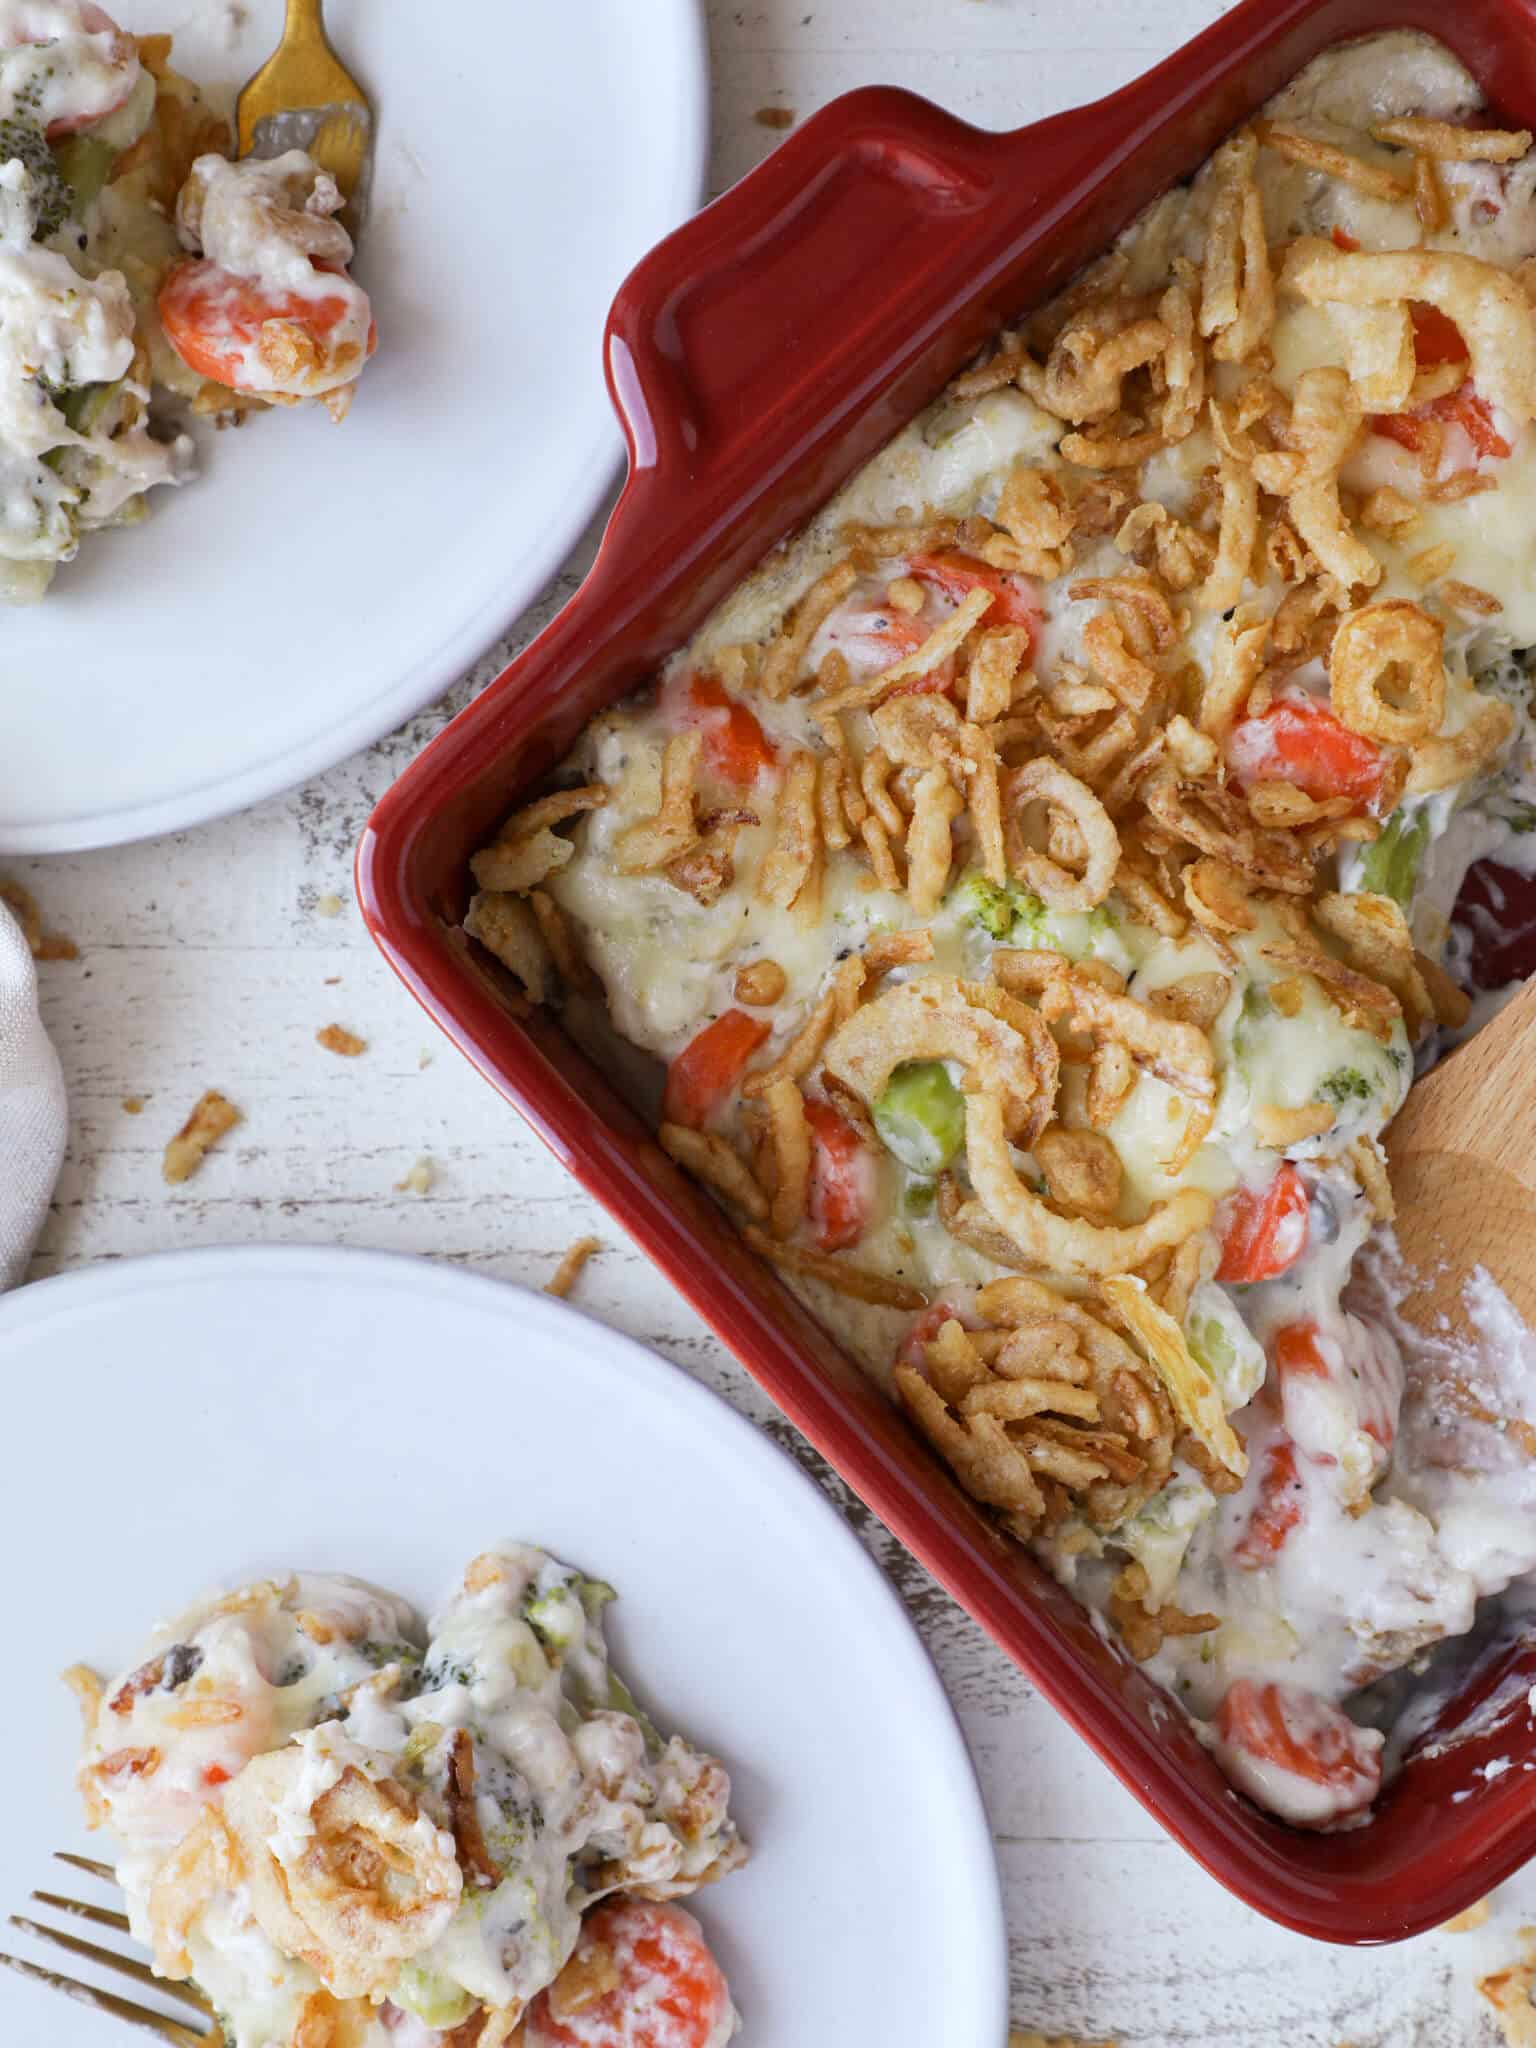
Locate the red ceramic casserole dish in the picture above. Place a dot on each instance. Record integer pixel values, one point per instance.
(756, 358)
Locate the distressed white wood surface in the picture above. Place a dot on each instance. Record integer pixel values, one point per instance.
(204, 961)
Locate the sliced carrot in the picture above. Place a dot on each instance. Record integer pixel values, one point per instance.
(213, 318)
(1297, 1731)
(1469, 411)
(1299, 740)
(1266, 1232)
(1276, 1512)
(842, 1178)
(670, 1993)
(119, 82)
(735, 745)
(1436, 337)
(1299, 1354)
(958, 574)
(709, 1066)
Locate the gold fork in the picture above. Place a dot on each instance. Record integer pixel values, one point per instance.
(174, 2031)
(304, 97)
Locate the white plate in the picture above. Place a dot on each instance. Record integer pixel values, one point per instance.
(208, 1416)
(317, 585)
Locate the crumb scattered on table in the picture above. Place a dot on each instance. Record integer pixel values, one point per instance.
(338, 1039)
(1023, 2037)
(419, 1181)
(212, 1116)
(1509, 1993)
(329, 905)
(133, 1105)
(42, 945)
(775, 117)
(423, 1061)
(569, 1269)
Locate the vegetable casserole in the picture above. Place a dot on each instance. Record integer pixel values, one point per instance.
(351, 1833)
(1036, 882)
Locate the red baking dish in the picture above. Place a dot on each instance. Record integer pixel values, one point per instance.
(756, 358)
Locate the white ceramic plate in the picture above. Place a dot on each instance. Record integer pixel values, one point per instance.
(317, 584)
(209, 1416)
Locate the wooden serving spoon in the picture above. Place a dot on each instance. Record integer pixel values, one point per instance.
(304, 97)
(1463, 1158)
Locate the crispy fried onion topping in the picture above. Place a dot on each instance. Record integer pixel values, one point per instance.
(1045, 1410)
(1375, 938)
(1237, 296)
(1005, 1048)
(1449, 758)
(1091, 358)
(372, 1883)
(1235, 538)
(1386, 673)
(1009, 1065)
(1195, 1396)
(1448, 142)
(507, 928)
(653, 842)
(1238, 652)
(1217, 821)
(527, 850)
(1173, 1052)
(693, 851)
(1088, 828)
(1485, 302)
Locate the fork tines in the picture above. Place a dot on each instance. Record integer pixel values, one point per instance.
(174, 2031)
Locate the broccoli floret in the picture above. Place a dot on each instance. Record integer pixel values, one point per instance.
(1001, 908)
(1521, 818)
(989, 904)
(1391, 863)
(22, 141)
(1345, 1085)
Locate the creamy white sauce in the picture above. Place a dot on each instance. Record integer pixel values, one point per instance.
(63, 63)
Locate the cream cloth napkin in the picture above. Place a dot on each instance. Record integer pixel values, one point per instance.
(32, 1106)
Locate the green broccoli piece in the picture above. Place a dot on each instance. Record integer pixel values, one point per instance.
(1344, 1086)
(920, 1115)
(85, 163)
(989, 904)
(22, 141)
(1002, 908)
(1390, 866)
(1520, 818)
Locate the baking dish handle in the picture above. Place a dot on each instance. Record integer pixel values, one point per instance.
(762, 319)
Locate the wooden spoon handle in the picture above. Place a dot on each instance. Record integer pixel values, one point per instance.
(1480, 1104)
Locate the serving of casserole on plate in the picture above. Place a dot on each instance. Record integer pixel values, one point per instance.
(140, 698)
(1032, 889)
(143, 267)
(358, 1816)
(348, 1835)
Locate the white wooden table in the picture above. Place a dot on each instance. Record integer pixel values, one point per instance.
(208, 960)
